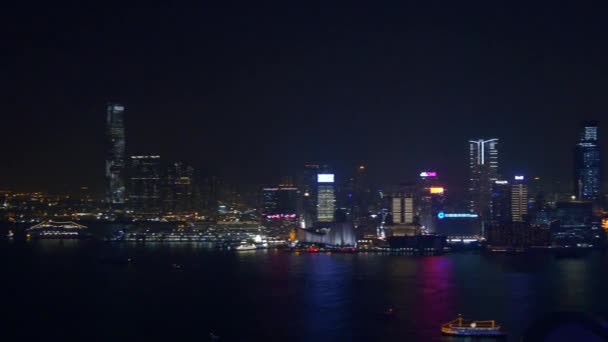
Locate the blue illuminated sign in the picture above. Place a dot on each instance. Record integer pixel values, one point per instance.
(441, 215)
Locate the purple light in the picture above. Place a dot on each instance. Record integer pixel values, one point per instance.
(428, 174)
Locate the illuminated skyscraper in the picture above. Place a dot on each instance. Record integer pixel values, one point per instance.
(483, 164)
(145, 184)
(181, 189)
(115, 157)
(519, 199)
(326, 197)
(587, 164)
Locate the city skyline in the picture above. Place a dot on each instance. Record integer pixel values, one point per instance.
(301, 89)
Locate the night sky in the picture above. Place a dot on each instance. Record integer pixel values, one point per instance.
(253, 91)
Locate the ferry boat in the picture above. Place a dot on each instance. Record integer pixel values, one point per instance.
(248, 247)
(57, 230)
(464, 327)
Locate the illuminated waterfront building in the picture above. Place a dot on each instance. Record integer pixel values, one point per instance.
(145, 184)
(501, 202)
(326, 197)
(115, 156)
(587, 165)
(430, 198)
(519, 199)
(280, 201)
(483, 165)
(180, 193)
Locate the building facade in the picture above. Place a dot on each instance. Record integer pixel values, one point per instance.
(181, 193)
(115, 156)
(483, 167)
(519, 199)
(587, 165)
(326, 197)
(145, 184)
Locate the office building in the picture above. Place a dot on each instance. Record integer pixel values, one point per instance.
(145, 184)
(430, 199)
(402, 209)
(501, 202)
(326, 197)
(483, 165)
(280, 202)
(587, 165)
(115, 156)
(181, 191)
(519, 199)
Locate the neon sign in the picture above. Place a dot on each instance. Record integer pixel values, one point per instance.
(441, 215)
(428, 174)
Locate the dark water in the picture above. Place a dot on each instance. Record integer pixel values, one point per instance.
(79, 290)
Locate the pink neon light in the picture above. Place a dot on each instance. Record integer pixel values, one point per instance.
(428, 174)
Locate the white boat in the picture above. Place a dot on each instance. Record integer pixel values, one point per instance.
(247, 247)
(463, 327)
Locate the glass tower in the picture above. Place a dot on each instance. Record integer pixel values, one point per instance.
(587, 164)
(115, 157)
(483, 164)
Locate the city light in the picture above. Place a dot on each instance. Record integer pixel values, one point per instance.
(519, 177)
(436, 190)
(441, 215)
(325, 178)
(428, 174)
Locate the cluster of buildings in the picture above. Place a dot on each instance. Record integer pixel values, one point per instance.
(322, 206)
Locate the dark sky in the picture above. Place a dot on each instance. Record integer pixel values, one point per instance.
(254, 90)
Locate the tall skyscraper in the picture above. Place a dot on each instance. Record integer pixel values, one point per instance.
(587, 164)
(145, 184)
(181, 189)
(115, 157)
(483, 164)
(429, 199)
(501, 202)
(326, 197)
(519, 199)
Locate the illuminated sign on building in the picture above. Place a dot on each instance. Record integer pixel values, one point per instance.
(501, 182)
(441, 215)
(428, 174)
(605, 223)
(325, 178)
(279, 216)
(436, 190)
(519, 177)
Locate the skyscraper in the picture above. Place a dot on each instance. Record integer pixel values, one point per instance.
(519, 199)
(326, 197)
(115, 157)
(145, 184)
(181, 189)
(587, 164)
(501, 202)
(483, 164)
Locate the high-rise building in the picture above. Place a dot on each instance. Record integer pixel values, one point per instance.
(280, 202)
(307, 182)
(430, 199)
(145, 184)
(483, 164)
(519, 199)
(587, 164)
(402, 209)
(501, 202)
(181, 189)
(326, 197)
(115, 156)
